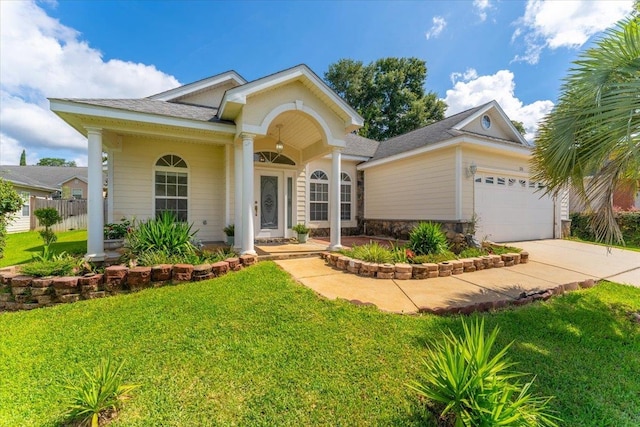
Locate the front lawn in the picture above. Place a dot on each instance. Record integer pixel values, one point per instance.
(21, 247)
(255, 348)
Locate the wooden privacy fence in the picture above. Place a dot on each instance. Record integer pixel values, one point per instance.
(72, 211)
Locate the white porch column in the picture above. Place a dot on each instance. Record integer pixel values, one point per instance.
(247, 195)
(95, 214)
(237, 205)
(334, 197)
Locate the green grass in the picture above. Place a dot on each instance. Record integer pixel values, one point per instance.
(256, 349)
(21, 247)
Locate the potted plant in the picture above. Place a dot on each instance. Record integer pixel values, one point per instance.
(114, 234)
(303, 232)
(230, 231)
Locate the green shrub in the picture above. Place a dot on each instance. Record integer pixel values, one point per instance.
(300, 229)
(372, 252)
(472, 252)
(162, 234)
(628, 221)
(428, 238)
(465, 381)
(500, 249)
(434, 258)
(50, 265)
(151, 258)
(119, 230)
(101, 391)
(10, 202)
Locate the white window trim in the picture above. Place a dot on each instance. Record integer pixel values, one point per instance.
(350, 183)
(319, 223)
(26, 201)
(170, 169)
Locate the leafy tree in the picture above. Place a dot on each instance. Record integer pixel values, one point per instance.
(55, 161)
(10, 202)
(23, 158)
(594, 130)
(519, 126)
(388, 93)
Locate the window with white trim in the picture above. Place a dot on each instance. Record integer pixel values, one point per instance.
(171, 186)
(26, 206)
(318, 196)
(345, 197)
(76, 193)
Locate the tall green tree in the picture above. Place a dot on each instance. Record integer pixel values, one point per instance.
(55, 161)
(388, 93)
(23, 158)
(591, 139)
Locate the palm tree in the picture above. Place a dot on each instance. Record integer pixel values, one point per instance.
(594, 130)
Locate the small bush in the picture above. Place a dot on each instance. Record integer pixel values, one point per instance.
(428, 238)
(53, 265)
(372, 252)
(101, 392)
(472, 252)
(117, 230)
(48, 217)
(466, 382)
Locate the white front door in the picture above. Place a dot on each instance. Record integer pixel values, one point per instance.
(269, 204)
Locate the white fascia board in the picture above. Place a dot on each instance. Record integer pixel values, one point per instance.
(239, 94)
(473, 117)
(461, 140)
(350, 157)
(60, 106)
(187, 89)
(31, 186)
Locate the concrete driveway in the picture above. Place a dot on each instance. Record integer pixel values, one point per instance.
(551, 263)
(616, 265)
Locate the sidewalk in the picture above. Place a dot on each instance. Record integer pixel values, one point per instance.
(552, 263)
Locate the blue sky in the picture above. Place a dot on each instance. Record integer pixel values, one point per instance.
(516, 52)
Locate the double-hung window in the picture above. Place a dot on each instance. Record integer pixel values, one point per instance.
(319, 196)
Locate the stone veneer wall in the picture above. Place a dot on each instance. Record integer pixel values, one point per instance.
(20, 292)
(326, 232)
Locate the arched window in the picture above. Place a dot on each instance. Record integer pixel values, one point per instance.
(319, 196)
(345, 197)
(271, 157)
(171, 184)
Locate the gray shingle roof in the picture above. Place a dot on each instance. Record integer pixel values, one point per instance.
(436, 132)
(152, 106)
(357, 145)
(47, 177)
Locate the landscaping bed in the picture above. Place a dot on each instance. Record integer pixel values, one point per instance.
(255, 348)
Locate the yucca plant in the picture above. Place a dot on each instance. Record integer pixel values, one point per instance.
(428, 238)
(461, 376)
(372, 252)
(102, 390)
(161, 234)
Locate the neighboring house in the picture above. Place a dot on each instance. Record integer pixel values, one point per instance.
(48, 182)
(280, 150)
(625, 197)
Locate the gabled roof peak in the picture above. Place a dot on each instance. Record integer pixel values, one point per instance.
(203, 84)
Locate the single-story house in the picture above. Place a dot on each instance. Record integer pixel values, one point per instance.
(281, 150)
(46, 182)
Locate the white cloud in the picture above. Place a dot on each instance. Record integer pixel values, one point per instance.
(438, 25)
(481, 7)
(469, 74)
(42, 58)
(569, 23)
(477, 90)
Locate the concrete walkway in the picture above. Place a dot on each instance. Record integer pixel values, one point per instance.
(551, 263)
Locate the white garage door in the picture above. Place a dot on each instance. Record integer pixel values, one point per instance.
(510, 209)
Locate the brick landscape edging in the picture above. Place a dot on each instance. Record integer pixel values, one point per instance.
(21, 292)
(454, 267)
(423, 271)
